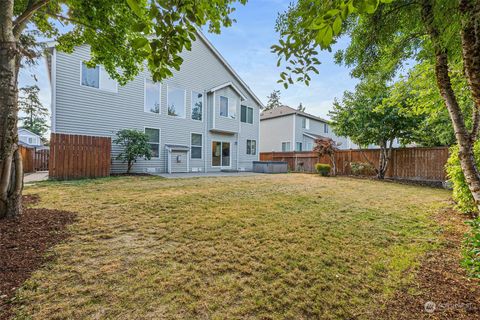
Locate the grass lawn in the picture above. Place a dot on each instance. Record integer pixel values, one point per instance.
(281, 246)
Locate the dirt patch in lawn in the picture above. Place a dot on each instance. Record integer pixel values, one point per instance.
(23, 244)
(441, 289)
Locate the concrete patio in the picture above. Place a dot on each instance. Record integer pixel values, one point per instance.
(187, 175)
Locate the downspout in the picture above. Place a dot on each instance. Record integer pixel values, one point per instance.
(205, 129)
(53, 71)
(238, 134)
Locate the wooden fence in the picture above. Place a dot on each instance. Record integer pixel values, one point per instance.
(425, 164)
(77, 156)
(28, 156)
(41, 158)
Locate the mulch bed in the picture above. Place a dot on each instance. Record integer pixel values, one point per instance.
(23, 245)
(441, 289)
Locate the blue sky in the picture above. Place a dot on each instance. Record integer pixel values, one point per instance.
(246, 46)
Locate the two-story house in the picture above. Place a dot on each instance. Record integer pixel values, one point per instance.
(204, 118)
(287, 129)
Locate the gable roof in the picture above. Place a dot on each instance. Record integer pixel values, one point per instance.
(51, 44)
(286, 111)
(229, 67)
(28, 132)
(227, 84)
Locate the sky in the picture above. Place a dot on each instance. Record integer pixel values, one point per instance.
(246, 47)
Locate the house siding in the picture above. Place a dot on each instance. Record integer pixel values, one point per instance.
(90, 111)
(275, 131)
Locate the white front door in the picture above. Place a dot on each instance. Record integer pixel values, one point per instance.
(221, 154)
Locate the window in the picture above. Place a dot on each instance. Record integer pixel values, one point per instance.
(246, 114)
(197, 105)
(285, 146)
(308, 146)
(176, 102)
(196, 146)
(152, 96)
(325, 128)
(298, 146)
(252, 147)
(154, 141)
(306, 123)
(98, 78)
(90, 76)
(223, 106)
(30, 140)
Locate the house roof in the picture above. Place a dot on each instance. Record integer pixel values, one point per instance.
(286, 111)
(315, 136)
(28, 131)
(229, 67)
(227, 84)
(51, 44)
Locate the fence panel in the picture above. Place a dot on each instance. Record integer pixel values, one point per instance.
(427, 164)
(27, 158)
(79, 156)
(41, 159)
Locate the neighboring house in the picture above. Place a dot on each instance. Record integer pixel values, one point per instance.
(28, 138)
(287, 129)
(204, 118)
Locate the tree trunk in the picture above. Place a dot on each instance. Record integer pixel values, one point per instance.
(129, 166)
(464, 139)
(11, 171)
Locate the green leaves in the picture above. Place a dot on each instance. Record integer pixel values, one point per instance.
(307, 25)
(137, 7)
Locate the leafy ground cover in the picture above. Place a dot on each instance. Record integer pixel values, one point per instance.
(281, 246)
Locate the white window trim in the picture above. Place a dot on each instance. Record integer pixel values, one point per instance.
(184, 101)
(191, 105)
(248, 107)
(251, 154)
(159, 142)
(230, 147)
(145, 96)
(290, 146)
(220, 107)
(201, 154)
(100, 70)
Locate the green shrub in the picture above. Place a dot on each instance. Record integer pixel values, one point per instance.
(465, 203)
(471, 250)
(461, 194)
(323, 169)
(362, 169)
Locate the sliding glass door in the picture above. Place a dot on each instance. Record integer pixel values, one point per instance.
(220, 154)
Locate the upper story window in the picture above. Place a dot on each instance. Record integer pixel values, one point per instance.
(196, 146)
(325, 128)
(98, 78)
(306, 123)
(152, 97)
(224, 106)
(246, 114)
(285, 146)
(227, 109)
(154, 141)
(176, 102)
(197, 105)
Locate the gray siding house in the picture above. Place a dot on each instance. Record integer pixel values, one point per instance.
(287, 129)
(204, 118)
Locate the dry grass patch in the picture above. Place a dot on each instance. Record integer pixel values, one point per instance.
(282, 246)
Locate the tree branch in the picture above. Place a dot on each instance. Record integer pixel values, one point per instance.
(475, 124)
(28, 13)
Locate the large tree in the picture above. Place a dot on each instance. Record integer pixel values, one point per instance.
(384, 35)
(369, 115)
(35, 118)
(122, 35)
